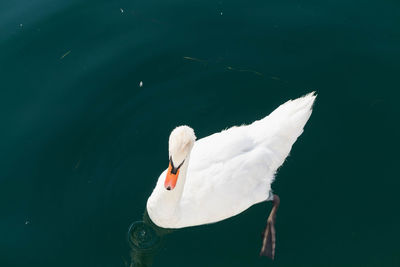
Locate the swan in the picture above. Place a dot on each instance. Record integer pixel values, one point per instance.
(221, 175)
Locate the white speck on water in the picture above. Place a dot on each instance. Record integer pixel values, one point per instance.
(141, 84)
(21, 25)
(122, 11)
(222, 13)
(27, 222)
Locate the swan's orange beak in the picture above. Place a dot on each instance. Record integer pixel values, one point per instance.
(171, 179)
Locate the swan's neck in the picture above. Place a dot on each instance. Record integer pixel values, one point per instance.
(163, 205)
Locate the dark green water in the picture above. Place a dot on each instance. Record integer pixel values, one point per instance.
(81, 144)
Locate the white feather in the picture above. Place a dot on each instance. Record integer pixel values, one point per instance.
(227, 172)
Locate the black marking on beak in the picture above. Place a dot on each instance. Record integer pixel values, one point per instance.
(174, 170)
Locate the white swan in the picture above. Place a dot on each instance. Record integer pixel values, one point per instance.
(223, 174)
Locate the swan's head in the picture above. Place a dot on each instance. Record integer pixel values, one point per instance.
(181, 141)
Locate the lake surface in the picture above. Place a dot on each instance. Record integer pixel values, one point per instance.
(82, 143)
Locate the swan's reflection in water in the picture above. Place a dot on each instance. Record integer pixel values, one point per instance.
(145, 239)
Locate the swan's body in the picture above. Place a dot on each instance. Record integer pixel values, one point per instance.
(227, 172)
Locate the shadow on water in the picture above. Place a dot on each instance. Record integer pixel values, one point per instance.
(145, 240)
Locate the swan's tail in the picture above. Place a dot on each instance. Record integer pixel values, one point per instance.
(283, 126)
(295, 113)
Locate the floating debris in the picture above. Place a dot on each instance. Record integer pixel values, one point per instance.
(230, 68)
(122, 11)
(245, 70)
(77, 164)
(21, 25)
(27, 222)
(222, 13)
(141, 84)
(66, 54)
(195, 59)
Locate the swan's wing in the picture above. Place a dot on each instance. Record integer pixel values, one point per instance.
(271, 138)
(232, 170)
